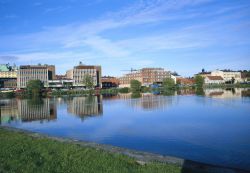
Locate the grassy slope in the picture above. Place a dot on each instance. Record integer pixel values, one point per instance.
(22, 153)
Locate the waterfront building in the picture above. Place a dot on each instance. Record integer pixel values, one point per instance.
(185, 81)
(8, 76)
(228, 75)
(43, 73)
(214, 80)
(147, 76)
(109, 82)
(78, 73)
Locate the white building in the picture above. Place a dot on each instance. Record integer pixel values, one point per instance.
(214, 80)
(228, 75)
(78, 73)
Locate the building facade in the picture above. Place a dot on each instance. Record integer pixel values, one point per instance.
(146, 76)
(44, 73)
(78, 73)
(228, 75)
(214, 80)
(109, 82)
(8, 76)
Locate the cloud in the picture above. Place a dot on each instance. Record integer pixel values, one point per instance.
(56, 9)
(171, 29)
(10, 16)
(38, 4)
(7, 58)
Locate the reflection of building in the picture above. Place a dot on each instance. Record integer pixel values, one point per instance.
(43, 73)
(78, 73)
(148, 101)
(146, 76)
(223, 93)
(42, 110)
(109, 82)
(8, 111)
(86, 106)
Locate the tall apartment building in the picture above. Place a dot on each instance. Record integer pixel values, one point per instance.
(8, 76)
(146, 76)
(78, 73)
(43, 73)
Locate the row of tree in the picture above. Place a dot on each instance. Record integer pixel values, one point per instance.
(34, 87)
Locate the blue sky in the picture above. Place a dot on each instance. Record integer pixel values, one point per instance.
(178, 35)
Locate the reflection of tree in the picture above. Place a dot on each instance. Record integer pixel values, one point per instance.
(8, 111)
(35, 101)
(168, 92)
(200, 92)
(136, 95)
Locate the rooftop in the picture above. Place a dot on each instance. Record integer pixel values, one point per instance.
(214, 77)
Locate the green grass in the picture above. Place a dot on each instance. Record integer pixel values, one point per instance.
(25, 154)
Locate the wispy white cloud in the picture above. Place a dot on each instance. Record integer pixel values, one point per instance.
(91, 37)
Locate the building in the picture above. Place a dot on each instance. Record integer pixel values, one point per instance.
(8, 76)
(109, 82)
(146, 76)
(228, 75)
(185, 81)
(214, 80)
(43, 73)
(78, 73)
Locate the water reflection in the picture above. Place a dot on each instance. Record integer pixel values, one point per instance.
(8, 111)
(145, 101)
(227, 93)
(85, 106)
(37, 109)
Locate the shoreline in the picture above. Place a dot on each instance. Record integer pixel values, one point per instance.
(141, 157)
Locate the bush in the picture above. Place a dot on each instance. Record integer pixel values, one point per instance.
(135, 86)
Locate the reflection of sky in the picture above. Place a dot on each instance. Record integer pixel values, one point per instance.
(197, 128)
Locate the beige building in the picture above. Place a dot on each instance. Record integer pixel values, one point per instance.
(43, 73)
(78, 73)
(214, 80)
(8, 76)
(228, 75)
(146, 76)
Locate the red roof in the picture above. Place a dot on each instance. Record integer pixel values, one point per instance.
(214, 77)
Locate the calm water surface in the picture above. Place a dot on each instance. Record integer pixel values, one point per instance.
(214, 128)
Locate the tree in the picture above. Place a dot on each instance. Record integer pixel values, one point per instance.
(34, 87)
(199, 81)
(88, 81)
(135, 86)
(168, 83)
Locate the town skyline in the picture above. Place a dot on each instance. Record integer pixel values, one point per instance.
(183, 36)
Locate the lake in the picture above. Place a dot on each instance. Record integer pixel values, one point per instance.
(213, 128)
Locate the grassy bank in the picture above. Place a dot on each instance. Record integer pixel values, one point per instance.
(22, 153)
